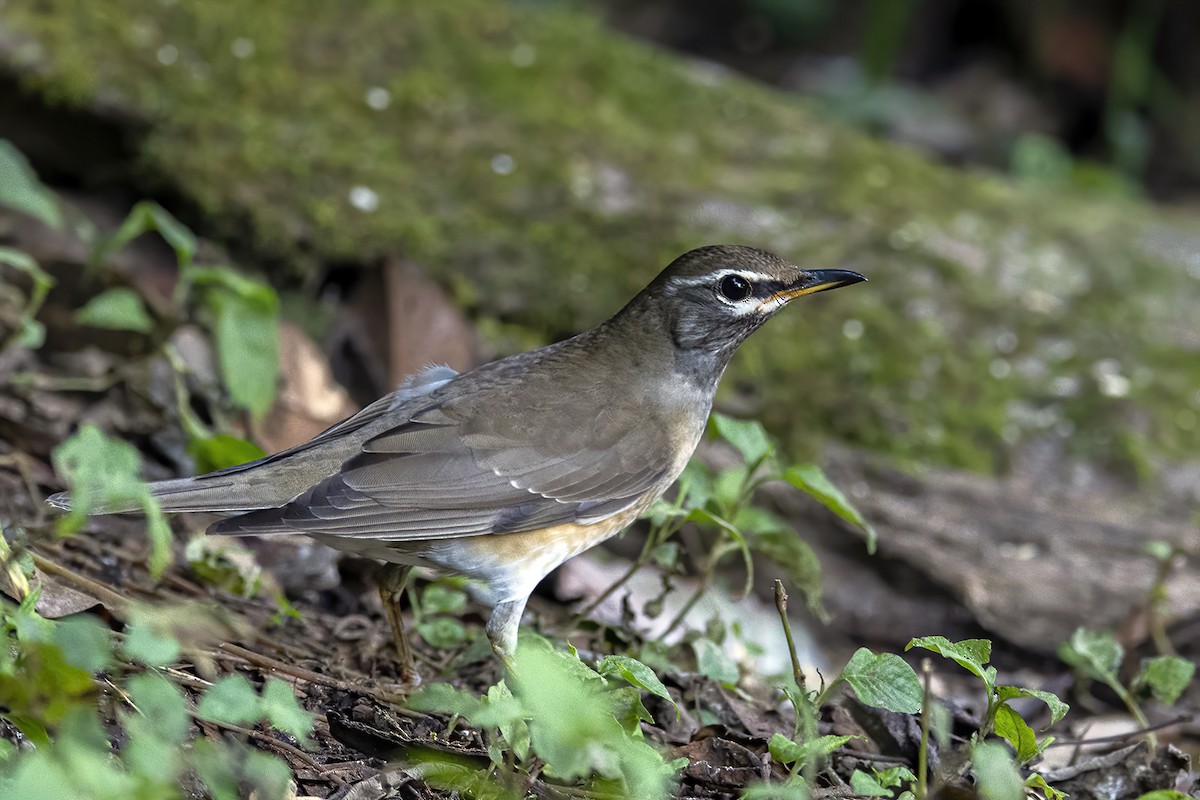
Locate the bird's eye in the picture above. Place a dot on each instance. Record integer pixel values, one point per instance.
(734, 288)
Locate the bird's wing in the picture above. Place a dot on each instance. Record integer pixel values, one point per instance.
(448, 471)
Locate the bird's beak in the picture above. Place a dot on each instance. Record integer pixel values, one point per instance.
(813, 281)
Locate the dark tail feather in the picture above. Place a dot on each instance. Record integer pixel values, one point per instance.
(182, 494)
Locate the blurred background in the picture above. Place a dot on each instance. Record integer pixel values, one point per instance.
(1100, 94)
(1013, 401)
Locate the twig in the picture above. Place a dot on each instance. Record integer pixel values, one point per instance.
(923, 750)
(781, 599)
(1120, 737)
(308, 676)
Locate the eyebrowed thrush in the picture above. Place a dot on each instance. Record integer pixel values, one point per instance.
(504, 472)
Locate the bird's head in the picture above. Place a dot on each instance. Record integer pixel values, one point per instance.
(712, 298)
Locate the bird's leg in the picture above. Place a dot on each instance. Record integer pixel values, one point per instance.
(502, 629)
(392, 580)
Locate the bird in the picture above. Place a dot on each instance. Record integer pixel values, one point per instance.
(503, 472)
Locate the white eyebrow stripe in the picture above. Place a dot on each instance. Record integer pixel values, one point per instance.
(701, 280)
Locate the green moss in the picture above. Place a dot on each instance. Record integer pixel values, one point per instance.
(990, 305)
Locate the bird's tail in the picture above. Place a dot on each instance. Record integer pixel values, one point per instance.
(219, 494)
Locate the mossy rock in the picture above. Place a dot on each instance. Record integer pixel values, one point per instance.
(543, 168)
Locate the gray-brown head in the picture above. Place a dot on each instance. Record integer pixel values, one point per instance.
(712, 298)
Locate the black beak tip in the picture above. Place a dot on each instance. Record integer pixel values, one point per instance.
(822, 280)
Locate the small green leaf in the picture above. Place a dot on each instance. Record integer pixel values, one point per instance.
(158, 728)
(970, 654)
(102, 473)
(1161, 794)
(811, 479)
(283, 711)
(144, 217)
(445, 699)
(442, 631)
(786, 551)
(248, 352)
(268, 775)
(162, 704)
(1159, 550)
(1058, 709)
(1164, 677)
(222, 450)
(791, 790)
(894, 776)
(1038, 783)
(747, 435)
(1010, 726)
(230, 700)
(884, 681)
(785, 750)
(247, 333)
(864, 785)
(504, 712)
(84, 641)
(1094, 653)
(20, 188)
(637, 674)
(441, 599)
(727, 488)
(117, 309)
(715, 663)
(146, 645)
(996, 776)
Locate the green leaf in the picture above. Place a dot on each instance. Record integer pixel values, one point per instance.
(28, 333)
(157, 731)
(445, 699)
(442, 631)
(161, 703)
(1164, 677)
(1093, 653)
(1058, 709)
(1161, 794)
(811, 479)
(970, 654)
(715, 663)
(441, 599)
(119, 309)
(784, 749)
(222, 450)
(746, 435)
(727, 487)
(144, 217)
(144, 644)
(572, 726)
(864, 785)
(247, 334)
(215, 765)
(1010, 726)
(268, 775)
(84, 641)
(283, 711)
(21, 190)
(785, 550)
(996, 776)
(637, 674)
(894, 776)
(102, 473)
(230, 700)
(1038, 783)
(884, 681)
(504, 712)
(792, 790)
